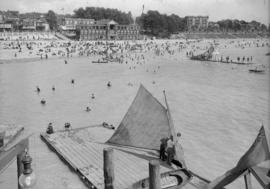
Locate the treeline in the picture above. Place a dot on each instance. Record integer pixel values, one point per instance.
(240, 25)
(99, 13)
(161, 25)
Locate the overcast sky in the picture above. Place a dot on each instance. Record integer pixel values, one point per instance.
(216, 9)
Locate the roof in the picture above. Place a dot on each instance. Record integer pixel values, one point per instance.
(105, 22)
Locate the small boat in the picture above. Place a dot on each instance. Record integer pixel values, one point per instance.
(257, 70)
(100, 62)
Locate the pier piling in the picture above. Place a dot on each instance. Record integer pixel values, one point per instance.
(108, 168)
(154, 174)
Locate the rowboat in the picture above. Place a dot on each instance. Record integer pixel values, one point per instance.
(100, 62)
(256, 70)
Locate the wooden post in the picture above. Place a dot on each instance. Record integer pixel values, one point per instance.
(247, 178)
(154, 174)
(108, 168)
(19, 161)
(19, 167)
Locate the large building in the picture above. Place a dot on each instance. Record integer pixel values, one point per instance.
(11, 21)
(3, 25)
(34, 24)
(108, 30)
(69, 25)
(196, 23)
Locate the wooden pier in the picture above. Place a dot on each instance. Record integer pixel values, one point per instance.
(224, 61)
(82, 150)
(13, 144)
(11, 134)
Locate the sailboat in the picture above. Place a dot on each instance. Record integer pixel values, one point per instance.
(146, 122)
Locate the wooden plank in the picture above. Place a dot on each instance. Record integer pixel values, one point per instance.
(7, 156)
(11, 134)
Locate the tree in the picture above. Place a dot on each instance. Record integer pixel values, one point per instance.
(51, 19)
(99, 13)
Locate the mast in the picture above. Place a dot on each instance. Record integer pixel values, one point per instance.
(169, 116)
(178, 148)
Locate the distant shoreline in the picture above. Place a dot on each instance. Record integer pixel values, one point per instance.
(219, 35)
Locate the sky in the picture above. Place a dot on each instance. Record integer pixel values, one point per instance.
(216, 9)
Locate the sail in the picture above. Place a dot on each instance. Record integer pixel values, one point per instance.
(257, 153)
(144, 124)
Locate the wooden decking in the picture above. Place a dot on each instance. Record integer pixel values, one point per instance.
(225, 62)
(11, 133)
(82, 150)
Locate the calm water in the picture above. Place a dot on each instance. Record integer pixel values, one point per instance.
(218, 108)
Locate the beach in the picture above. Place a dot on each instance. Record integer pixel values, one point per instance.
(218, 108)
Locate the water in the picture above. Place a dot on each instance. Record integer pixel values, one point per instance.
(218, 108)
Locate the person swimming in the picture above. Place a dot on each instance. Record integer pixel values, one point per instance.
(38, 89)
(43, 101)
(93, 96)
(109, 84)
(53, 88)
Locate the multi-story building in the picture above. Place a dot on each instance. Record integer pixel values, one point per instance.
(9, 20)
(29, 24)
(3, 25)
(108, 30)
(196, 23)
(69, 25)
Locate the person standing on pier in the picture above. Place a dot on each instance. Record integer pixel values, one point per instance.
(162, 148)
(170, 150)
